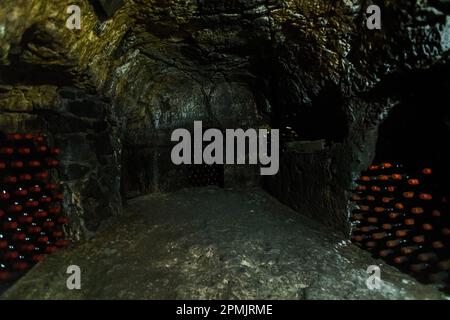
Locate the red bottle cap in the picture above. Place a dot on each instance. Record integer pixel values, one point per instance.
(426, 196)
(45, 199)
(38, 258)
(419, 239)
(386, 199)
(4, 275)
(10, 225)
(62, 243)
(34, 229)
(438, 245)
(417, 210)
(57, 234)
(42, 239)
(408, 195)
(55, 151)
(21, 192)
(58, 196)
(52, 162)
(41, 175)
(14, 136)
(25, 220)
(436, 213)
(4, 195)
(400, 260)
(6, 150)
(51, 186)
(20, 266)
(3, 244)
(392, 189)
(25, 177)
(63, 220)
(48, 224)
(393, 215)
(385, 253)
(34, 164)
(19, 236)
(15, 208)
(10, 179)
(50, 249)
(10, 255)
(41, 214)
(41, 148)
(399, 206)
(54, 210)
(24, 150)
(401, 233)
(32, 204)
(35, 189)
(17, 164)
(407, 250)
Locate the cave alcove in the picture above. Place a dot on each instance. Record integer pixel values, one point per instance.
(416, 132)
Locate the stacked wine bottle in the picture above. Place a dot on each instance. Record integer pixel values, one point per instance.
(402, 218)
(201, 175)
(31, 218)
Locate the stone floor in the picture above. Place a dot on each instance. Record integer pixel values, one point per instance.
(215, 244)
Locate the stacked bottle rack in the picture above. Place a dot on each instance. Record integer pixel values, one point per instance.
(31, 218)
(402, 218)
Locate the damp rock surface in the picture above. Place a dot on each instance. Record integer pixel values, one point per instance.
(212, 243)
(154, 66)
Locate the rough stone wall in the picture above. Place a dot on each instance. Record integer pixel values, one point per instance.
(160, 64)
(78, 123)
(360, 66)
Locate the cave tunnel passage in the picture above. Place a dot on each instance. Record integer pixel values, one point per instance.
(177, 237)
(213, 243)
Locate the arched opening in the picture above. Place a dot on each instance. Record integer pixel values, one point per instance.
(417, 134)
(403, 198)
